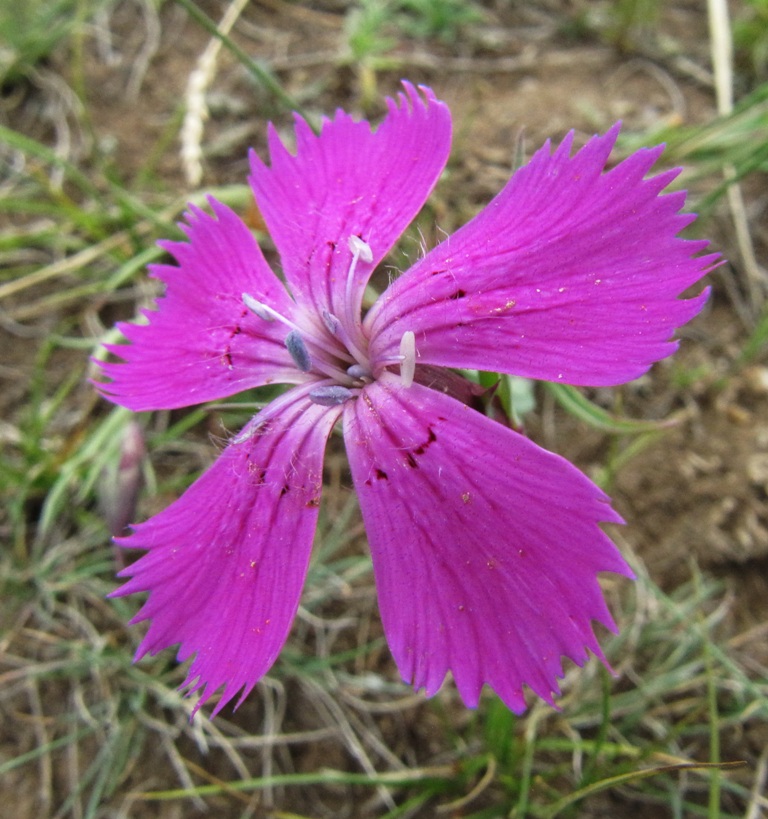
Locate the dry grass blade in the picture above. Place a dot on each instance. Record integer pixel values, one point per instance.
(197, 110)
(722, 61)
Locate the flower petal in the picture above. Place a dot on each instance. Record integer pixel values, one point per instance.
(570, 274)
(227, 561)
(349, 181)
(485, 547)
(202, 343)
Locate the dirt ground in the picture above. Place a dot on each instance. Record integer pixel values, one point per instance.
(696, 492)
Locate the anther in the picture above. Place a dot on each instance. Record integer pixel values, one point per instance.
(331, 322)
(259, 308)
(358, 371)
(330, 395)
(408, 358)
(360, 249)
(298, 351)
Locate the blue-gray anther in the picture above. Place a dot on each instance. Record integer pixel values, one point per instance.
(330, 395)
(358, 371)
(298, 351)
(331, 322)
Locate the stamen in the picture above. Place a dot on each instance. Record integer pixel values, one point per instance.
(330, 395)
(267, 313)
(408, 358)
(352, 300)
(359, 249)
(262, 310)
(298, 351)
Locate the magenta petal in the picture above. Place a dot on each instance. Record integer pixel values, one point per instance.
(349, 181)
(202, 343)
(485, 547)
(227, 561)
(570, 274)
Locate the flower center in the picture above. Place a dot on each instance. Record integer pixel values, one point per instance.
(333, 350)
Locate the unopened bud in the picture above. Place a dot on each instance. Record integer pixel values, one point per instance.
(120, 487)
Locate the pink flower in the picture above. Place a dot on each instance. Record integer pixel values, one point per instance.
(485, 548)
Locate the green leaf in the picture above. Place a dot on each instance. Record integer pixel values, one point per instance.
(578, 405)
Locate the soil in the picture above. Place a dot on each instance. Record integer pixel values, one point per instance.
(696, 493)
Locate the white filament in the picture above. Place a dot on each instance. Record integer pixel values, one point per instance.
(360, 250)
